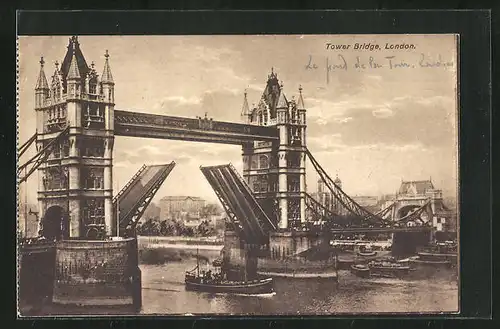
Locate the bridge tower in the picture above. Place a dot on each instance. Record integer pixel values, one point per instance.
(276, 171)
(75, 183)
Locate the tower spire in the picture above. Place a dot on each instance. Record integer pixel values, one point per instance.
(300, 103)
(245, 111)
(41, 83)
(107, 77)
(74, 71)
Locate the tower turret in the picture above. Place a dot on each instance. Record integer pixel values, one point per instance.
(107, 82)
(42, 87)
(73, 78)
(245, 110)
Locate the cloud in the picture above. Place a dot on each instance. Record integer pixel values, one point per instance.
(382, 113)
(181, 100)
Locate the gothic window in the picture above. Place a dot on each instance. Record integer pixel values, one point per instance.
(254, 164)
(92, 178)
(294, 137)
(294, 115)
(263, 162)
(263, 184)
(93, 212)
(294, 210)
(56, 154)
(293, 183)
(56, 118)
(293, 160)
(55, 179)
(93, 116)
(92, 88)
(65, 148)
(92, 147)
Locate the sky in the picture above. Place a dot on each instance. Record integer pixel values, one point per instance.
(373, 125)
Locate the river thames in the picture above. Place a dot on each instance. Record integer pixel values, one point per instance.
(429, 290)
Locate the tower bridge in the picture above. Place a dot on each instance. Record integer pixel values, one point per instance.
(76, 126)
(271, 213)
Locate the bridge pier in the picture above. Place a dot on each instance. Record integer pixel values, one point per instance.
(287, 252)
(407, 243)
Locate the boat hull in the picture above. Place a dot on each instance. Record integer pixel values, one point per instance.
(429, 262)
(362, 272)
(258, 287)
(367, 253)
(387, 272)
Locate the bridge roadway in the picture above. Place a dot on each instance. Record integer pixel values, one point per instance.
(137, 124)
(137, 193)
(249, 220)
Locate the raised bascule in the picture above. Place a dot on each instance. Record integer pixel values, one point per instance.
(267, 207)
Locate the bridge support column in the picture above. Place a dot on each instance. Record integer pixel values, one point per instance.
(302, 196)
(283, 204)
(109, 216)
(74, 213)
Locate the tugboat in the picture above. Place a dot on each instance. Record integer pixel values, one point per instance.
(207, 281)
(437, 254)
(367, 251)
(361, 270)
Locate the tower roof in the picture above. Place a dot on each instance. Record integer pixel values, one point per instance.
(73, 71)
(106, 73)
(300, 103)
(416, 187)
(272, 92)
(245, 110)
(282, 101)
(337, 180)
(41, 83)
(74, 51)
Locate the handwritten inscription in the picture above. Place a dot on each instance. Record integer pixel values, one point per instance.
(392, 62)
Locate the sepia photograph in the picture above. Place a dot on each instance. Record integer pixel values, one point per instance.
(238, 175)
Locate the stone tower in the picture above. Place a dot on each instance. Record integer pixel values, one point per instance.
(276, 171)
(75, 183)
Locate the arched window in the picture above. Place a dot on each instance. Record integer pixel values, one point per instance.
(263, 162)
(254, 164)
(93, 86)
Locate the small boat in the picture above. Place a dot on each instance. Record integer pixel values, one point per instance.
(217, 283)
(388, 269)
(437, 254)
(367, 252)
(437, 262)
(360, 270)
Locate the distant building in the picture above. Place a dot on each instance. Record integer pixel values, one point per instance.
(327, 199)
(415, 188)
(170, 205)
(369, 202)
(414, 194)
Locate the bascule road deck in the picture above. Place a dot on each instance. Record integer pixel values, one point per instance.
(136, 124)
